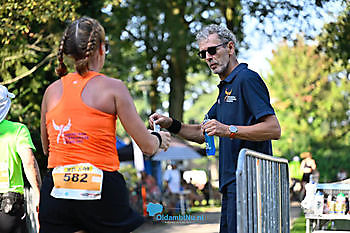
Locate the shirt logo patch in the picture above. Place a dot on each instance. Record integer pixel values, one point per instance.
(229, 98)
(61, 129)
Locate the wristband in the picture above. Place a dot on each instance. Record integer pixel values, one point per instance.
(175, 126)
(158, 136)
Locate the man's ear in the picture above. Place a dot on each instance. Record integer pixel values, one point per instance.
(231, 46)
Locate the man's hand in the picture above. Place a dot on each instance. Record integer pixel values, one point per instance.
(215, 128)
(191, 132)
(162, 121)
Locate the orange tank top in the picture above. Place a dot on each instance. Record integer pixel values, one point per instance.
(78, 133)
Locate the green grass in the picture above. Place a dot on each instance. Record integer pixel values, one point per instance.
(299, 225)
(203, 209)
(199, 209)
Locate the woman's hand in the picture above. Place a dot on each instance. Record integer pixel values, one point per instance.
(165, 140)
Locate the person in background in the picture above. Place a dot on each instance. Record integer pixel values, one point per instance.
(83, 191)
(172, 179)
(294, 169)
(193, 195)
(295, 177)
(307, 166)
(152, 190)
(342, 175)
(242, 115)
(16, 151)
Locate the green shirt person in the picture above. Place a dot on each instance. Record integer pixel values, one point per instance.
(16, 151)
(294, 169)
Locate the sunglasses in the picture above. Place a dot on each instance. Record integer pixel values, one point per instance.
(106, 46)
(211, 50)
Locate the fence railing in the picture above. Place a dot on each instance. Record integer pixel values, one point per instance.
(262, 193)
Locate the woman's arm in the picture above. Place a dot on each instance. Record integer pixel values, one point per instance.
(43, 130)
(133, 124)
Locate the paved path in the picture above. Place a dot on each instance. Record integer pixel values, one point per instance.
(209, 225)
(294, 212)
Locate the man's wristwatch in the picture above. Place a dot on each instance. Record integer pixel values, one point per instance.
(233, 131)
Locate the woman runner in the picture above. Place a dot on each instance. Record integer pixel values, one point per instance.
(83, 191)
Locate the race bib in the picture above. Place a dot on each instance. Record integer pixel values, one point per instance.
(4, 176)
(81, 181)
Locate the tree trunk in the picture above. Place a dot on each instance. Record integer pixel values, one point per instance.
(232, 11)
(177, 83)
(154, 94)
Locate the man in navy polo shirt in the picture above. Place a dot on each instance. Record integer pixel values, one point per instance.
(242, 116)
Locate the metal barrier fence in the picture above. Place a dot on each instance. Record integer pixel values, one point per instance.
(262, 193)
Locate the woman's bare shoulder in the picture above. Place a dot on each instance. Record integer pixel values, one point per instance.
(113, 84)
(54, 87)
(112, 81)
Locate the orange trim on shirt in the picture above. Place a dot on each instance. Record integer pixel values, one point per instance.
(78, 133)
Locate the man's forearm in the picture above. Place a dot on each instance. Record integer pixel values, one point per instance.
(268, 129)
(192, 132)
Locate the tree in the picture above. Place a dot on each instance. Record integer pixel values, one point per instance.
(334, 40)
(311, 103)
(155, 38)
(160, 36)
(30, 32)
(29, 39)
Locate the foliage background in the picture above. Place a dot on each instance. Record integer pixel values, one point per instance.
(153, 50)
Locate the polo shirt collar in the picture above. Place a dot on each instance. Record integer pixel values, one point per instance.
(233, 74)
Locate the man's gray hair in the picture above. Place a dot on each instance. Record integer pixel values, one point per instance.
(224, 34)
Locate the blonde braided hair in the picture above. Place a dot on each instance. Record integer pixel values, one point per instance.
(80, 41)
(61, 70)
